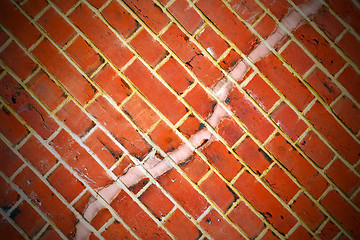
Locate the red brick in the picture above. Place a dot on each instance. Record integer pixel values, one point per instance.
(230, 60)
(301, 233)
(278, 8)
(217, 190)
(288, 121)
(122, 167)
(17, 60)
(11, 128)
(222, 159)
(18, 24)
(140, 113)
(297, 58)
(308, 211)
(181, 190)
(316, 149)
(120, 19)
(343, 212)
(137, 187)
(324, 86)
(253, 156)
(38, 155)
(136, 218)
(86, 57)
(356, 199)
(266, 26)
(329, 231)
(65, 183)
(148, 48)
(175, 75)
(283, 80)
(328, 23)
(65, 73)
(101, 35)
(159, 207)
(33, 7)
(116, 230)
(265, 203)
(242, 216)
(194, 167)
(343, 237)
(247, 113)
(155, 91)
(107, 151)
(46, 90)
(226, 21)
(351, 46)
(65, 5)
(75, 118)
(201, 101)
(218, 228)
(229, 130)
(43, 198)
(181, 226)
(281, 183)
(8, 231)
(97, 3)
(3, 37)
(348, 11)
(343, 177)
(165, 137)
(80, 160)
(349, 113)
(351, 81)
(146, 8)
(27, 219)
(186, 15)
(320, 48)
(190, 126)
(261, 92)
(250, 11)
(341, 140)
(8, 196)
(269, 235)
(212, 42)
(111, 82)
(27, 107)
(191, 55)
(101, 218)
(56, 26)
(81, 204)
(119, 127)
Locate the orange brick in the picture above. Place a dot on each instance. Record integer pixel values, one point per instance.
(165, 137)
(329, 231)
(194, 167)
(201, 101)
(11, 128)
(181, 226)
(117, 230)
(297, 58)
(229, 130)
(186, 15)
(212, 42)
(266, 26)
(349, 113)
(250, 11)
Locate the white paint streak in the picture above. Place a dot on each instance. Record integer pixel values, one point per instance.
(155, 166)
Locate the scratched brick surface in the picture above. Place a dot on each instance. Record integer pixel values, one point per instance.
(179, 119)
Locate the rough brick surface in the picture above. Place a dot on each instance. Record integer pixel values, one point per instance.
(144, 119)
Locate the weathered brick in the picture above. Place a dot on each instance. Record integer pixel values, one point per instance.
(11, 128)
(279, 8)
(101, 218)
(97, 3)
(212, 42)
(56, 26)
(343, 212)
(341, 140)
(283, 80)
(329, 231)
(165, 137)
(8, 196)
(348, 11)
(111, 82)
(80, 160)
(201, 101)
(50, 234)
(138, 220)
(17, 60)
(8, 231)
(75, 118)
(301, 233)
(250, 11)
(328, 23)
(3, 37)
(297, 58)
(269, 235)
(181, 226)
(155, 91)
(38, 155)
(65, 73)
(122, 167)
(247, 113)
(265, 203)
(229, 130)
(186, 15)
(190, 126)
(119, 127)
(266, 26)
(85, 56)
(101, 35)
(33, 7)
(226, 21)
(350, 79)
(117, 230)
(222, 159)
(230, 60)
(194, 167)
(351, 46)
(27, 107)
(42, 197)
(305, 173)
(349, 113)
(46, 90)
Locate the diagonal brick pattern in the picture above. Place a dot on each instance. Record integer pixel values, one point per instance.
(179, 119)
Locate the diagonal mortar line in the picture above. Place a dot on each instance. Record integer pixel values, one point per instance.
(162, 166)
